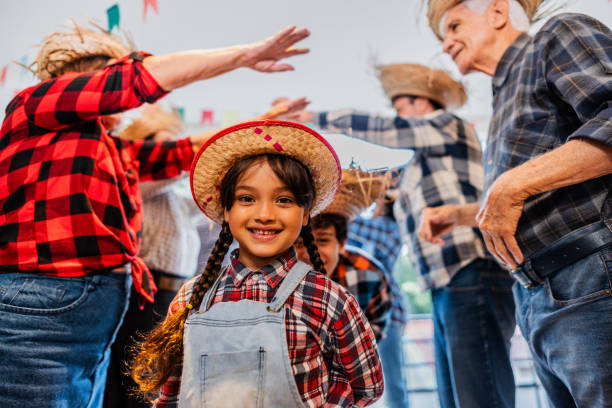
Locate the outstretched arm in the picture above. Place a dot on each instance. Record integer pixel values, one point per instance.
(175, 70)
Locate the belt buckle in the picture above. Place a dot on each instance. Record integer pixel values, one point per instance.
(521, 277)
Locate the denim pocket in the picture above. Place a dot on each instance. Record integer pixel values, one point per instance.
(43, 295)
(586, 280)
(233, 379)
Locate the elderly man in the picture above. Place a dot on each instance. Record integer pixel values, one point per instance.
(473, 311)
(71, 210)
(547, 213)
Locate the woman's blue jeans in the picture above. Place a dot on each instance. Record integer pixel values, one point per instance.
(473, 322)
(55, 337)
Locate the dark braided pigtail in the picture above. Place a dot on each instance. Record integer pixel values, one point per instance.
(311, 247)
(159, 355)
(213, 266)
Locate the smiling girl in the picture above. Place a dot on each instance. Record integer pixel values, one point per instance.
(267, 330)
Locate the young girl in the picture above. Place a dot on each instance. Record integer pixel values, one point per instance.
(267, 330)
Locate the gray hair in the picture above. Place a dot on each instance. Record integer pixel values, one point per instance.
(516, 13)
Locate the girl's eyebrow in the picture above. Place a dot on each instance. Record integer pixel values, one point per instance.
(251, 188)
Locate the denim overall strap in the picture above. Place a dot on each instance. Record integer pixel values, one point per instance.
(210, 293)
(291, 281)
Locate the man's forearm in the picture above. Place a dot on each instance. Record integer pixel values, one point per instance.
(175, 70)
(574, 162)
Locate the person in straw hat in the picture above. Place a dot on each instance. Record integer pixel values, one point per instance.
(473, 311)
(266, 330)
(355, 270)
(380, 237)
(71, 213)
(547, 213)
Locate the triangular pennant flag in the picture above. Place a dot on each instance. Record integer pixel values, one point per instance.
(229, 118)
(113, 17)
(207, 116)
(180, 111)
(3, 75)
(24, 63)
(147, 3)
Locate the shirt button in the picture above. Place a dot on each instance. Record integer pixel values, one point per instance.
(490, 162)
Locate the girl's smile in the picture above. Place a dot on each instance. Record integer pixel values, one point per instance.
(265, 217)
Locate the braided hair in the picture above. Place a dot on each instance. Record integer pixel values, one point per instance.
(160, 354)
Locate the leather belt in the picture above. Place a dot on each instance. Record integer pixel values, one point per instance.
(169, 283)
(566, 251)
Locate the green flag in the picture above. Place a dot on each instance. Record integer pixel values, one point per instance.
(113, 17)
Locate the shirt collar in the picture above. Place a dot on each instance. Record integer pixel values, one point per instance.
(508, 60)
(273, 272)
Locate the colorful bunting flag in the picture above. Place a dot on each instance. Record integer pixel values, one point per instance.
(207, 116)
(3, 75)
(180, 111)
(229, 118)
(113, 17)
(147, 3)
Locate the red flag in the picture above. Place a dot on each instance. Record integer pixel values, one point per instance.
(207, 116)
(3, 75)
(147, 3)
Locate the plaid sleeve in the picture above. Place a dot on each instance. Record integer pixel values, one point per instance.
(395, 132)
(73, 98)
(159, 160)
(579, 68)
(356, 357)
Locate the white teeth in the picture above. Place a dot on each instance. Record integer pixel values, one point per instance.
(261, 232)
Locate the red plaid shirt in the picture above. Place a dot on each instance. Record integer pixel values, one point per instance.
(69, 197)
(331, 345)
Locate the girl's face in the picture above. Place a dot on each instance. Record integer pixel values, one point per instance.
(264, 218)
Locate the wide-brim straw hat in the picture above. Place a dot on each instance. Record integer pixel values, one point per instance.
(254, 138)
(64, 47)
(419, 80)
(153, 119)
(358, 190)
(437, 8)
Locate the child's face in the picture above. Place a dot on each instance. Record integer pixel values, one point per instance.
(265, 219)
(328, 245)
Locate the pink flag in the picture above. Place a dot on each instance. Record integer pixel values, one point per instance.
(147, 3)
(207, 116)
(3, 75)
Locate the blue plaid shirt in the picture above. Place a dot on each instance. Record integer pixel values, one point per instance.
(380, 238)
(446, 169)
(547, 90)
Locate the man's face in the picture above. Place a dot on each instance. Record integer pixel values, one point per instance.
(467, 37)
(404, 106)
(328, 245)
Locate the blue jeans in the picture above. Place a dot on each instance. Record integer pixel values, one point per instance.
(474, 320)
(391, 353)
(567, 322)
(55, 337)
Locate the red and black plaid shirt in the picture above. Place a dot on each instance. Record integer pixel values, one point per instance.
(331, 345)
(69, 197)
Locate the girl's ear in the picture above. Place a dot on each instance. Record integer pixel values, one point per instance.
(226, 215)
(306, 218)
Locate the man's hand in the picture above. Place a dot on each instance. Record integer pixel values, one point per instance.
(264, 55)
(282, 107)
(437, 221)
(498, 218)
(302, 116)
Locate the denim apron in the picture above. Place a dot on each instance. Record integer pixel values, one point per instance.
(235, 353)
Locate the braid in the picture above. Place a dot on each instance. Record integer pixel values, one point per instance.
(311, 247)
(159, 354)
(213, 266)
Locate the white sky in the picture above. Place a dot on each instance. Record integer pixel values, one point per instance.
(347, 36)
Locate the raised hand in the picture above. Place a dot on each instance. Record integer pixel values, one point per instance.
(264, 55)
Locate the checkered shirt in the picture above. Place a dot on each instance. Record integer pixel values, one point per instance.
(446, 169)
(368, 284)
(69, 197)
(331, 346)
(380, 237)
(554, 87)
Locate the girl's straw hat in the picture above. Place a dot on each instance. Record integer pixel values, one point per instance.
(359, 189)
(153, 119)
(253, 138)
(437, 8)
(65, 47)
(419, 80)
